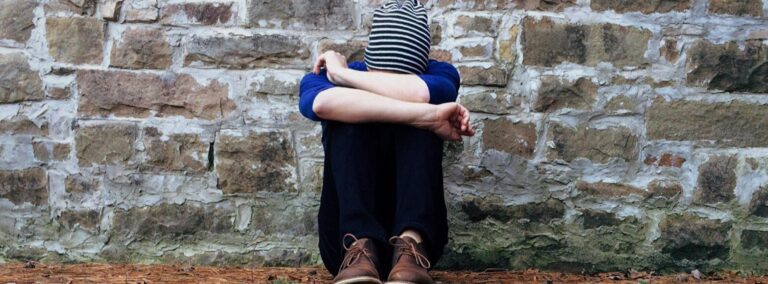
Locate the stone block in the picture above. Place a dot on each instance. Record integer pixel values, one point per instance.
(17, 19)
(131, 94)
(59, 93)
(604, 190)
(665, 160)
(687, 236)
(307, 14)
(555, 94)
(506, 45)
(645, 7)
(198, 14)
(717, 180)
(24, 186)
(510, 137)
(482, 76)
(258, 161)
(581, 44)
(752, 239)
(492, 101)
(175, 152)
(142, 49)
(737, 7)
(725, 124)
(478, 209)
(110, 9)
(47, 151)
(75, 40)
(105, 144)
(475, 25)
(593, 219)
(23, 127)
(79, 186)
(141, 11)
(544, 5)
(17, 81)
(598, 145)
(246, 52)
(728, 67)
(171, 222)
(77, 7)
(758, 206)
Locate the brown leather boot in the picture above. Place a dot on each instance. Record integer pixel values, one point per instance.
(359, 264)
(409, 263)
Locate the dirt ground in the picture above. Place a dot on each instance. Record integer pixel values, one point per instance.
(142, 274)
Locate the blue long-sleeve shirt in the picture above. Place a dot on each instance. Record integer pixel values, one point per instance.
(442, 80)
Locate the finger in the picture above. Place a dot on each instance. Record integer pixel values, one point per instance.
(319, 62)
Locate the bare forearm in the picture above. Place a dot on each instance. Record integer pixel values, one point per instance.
(402, 87)
(358, 106)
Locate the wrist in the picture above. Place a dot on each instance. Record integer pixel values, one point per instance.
(339, 76)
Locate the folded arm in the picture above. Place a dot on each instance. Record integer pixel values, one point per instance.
(439, 83)
(450, 120)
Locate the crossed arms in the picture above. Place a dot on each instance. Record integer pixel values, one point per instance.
(354, 96)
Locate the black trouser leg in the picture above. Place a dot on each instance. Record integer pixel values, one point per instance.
(419, 197)
(354, 174)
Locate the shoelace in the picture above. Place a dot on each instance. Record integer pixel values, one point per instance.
(353, 252)
(409, 249)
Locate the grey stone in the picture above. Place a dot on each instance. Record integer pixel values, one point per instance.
(725, 124)
(27, 185)
(17, 19)
(310, 14)
(246, 52)
(17, 81)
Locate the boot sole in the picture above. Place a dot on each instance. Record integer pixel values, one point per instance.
(360, 280)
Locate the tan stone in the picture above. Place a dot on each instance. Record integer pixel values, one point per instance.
(609, 190)
(59, 93)
(737, 7)
(506, 45)
(136, 94)
(79, 186)
(598, 145)
(23, 127)
(477, 25)
(142, 11)
(507, 136)
(105, 144)
(681, 232)
(246, 52)
(491, 76)
(580, 44)
(172, 222)
(726, 124)
(178, 152)
(555, 94)
(256, 162)
(544, 5)
(27, 185)
(75, 40)
(110, 9)
(17, 81)
(669, 50)
(17, 19)
(717, 180)
(142, 49)
(311, 14)
(645, 7)
(78, 7)
(493, 102)
(198, 14)
(727, 67)
(353, 50)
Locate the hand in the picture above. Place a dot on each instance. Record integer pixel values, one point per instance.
(334, 64)
(450, 121)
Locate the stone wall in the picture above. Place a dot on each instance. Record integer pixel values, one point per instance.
(613, 135)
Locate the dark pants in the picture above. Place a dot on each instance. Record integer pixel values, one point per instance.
(379, 180)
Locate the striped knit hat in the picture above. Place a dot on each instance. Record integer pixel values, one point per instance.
(400, 38)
